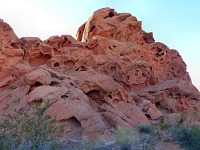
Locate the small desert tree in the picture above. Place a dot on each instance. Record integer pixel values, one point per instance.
(24, 130)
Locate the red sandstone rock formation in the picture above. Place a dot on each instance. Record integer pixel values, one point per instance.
(114, 74)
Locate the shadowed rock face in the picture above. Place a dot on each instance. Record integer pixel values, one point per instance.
(114, 74)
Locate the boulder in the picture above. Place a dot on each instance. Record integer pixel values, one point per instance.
(39, 76)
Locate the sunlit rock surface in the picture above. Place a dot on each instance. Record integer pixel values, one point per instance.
(114, 74)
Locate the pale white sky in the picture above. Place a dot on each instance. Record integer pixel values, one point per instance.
(176, 23)
(28, 18)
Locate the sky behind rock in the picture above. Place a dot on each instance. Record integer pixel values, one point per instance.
(175, 23)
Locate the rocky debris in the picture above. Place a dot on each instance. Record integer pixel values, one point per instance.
(114, 74)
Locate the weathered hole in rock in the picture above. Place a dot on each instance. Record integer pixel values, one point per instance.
(151, 92)
(168, 74)
(158, 105)
(163, 109)
(148, 117)
(159, 52)
(57, 77)
(113, 69)
(37, 102)
(73, 129)
(65, 40)
(92, 28)
(136, 72)
(81, 68)
(37, 45)
(95, 99)
(110, 96)
(39, 60)
(64, 96)
(56, 65)
(15, 45)
(110, 15)
(54, 83)
(37, 84)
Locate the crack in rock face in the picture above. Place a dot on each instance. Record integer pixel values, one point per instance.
(114, 74)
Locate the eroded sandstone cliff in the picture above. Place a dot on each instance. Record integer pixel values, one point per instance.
(114, 74)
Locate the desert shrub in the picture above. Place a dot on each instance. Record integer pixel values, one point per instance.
(165, 126)
(125, 138)
(149, 142)
(188, 137)
(152, 137)
(146, 129)
(21, 130)
(88, 144)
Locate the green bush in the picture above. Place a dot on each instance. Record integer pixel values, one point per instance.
(86, 144)
(165, 126)
(189, 137)
(151, 138)
(149, 142)
(125, 137)
(146, 129)
(21, 130)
